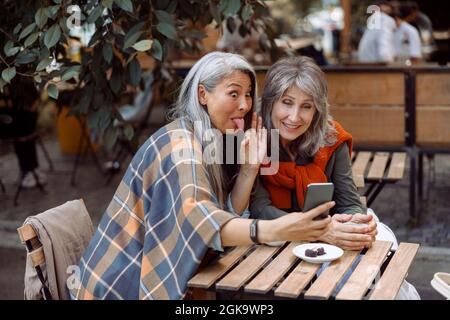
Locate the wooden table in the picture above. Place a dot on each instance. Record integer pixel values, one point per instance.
(276, 273)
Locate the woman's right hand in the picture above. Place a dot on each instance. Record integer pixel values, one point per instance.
(300, 226)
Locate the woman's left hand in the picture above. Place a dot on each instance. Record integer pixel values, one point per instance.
(253, 149)
(370, 221)
(351, 237)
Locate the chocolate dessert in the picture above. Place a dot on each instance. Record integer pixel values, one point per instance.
(320, 251)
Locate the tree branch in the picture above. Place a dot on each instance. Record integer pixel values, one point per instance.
(4, 61)
(19, 73)
(8, 35)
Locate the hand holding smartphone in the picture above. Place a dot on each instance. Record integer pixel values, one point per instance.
(317, 194)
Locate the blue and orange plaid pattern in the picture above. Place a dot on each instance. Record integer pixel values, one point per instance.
(158, 225)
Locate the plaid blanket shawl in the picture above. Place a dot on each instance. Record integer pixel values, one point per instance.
(158, 225)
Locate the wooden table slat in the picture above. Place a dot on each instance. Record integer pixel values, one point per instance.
(323, 287)
(265, 280)
(247, 268)
(359, 167)
(378, 165)
(297, 280)
(366, 271)
(397, 166)
(206, 277)
(395, 273)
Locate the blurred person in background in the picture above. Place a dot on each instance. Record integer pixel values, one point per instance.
(377, 42)
(407, 44)
(22, 101)
(423, 24)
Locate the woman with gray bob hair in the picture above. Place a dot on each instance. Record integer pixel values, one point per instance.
(313, 149)
(303, 73)
(170, 206)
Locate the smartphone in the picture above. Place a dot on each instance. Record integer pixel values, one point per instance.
(317, 194)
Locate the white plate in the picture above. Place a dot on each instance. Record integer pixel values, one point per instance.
(331, 252)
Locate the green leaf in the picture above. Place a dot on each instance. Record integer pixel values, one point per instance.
(247, 12)
(157, 50)
(8, 46)
(132, 39)
(215, 12)
(2, 84)
(43, 53)
(37, 78)
(232, 7)
(168, 30)
(52, 36)
(97, 35)
(125, 5)
(8, 74)
(27, 31)
(95, 14)
(135, 72)
(133, 35)
(17, 28)
(163, 16)
(115, 82)
(107, 52)
(172, 6)
(25, 57)
(52, 91)
(143, 45)
(128, 131)
(107, 4)
(43, 64)
(222, 5)
(31, 39)
(57, 1)
(86, 99)
(92, 119)
(110, 136)
(51, 11)
(12, 51)
(104, 118)
(70, 73)
(41, 18)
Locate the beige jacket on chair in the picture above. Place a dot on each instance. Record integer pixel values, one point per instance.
(64, 233)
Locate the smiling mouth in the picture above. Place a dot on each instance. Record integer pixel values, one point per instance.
(290, 126)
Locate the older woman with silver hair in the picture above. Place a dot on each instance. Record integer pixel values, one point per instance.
(314, 149)
(171, 205)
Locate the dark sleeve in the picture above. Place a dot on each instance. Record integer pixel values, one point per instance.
(261, 205)
(346, 195)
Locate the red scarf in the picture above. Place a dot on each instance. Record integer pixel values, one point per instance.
(291, 176)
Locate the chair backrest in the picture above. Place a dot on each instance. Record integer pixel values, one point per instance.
(55, 241)
(35, 253)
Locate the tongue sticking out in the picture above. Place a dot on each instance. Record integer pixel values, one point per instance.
(239, 122)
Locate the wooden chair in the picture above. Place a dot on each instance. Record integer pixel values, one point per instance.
(376, 170)
(54, 240)
(35, 252)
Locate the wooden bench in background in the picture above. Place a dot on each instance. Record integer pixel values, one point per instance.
(375, 170)
(261, 270)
